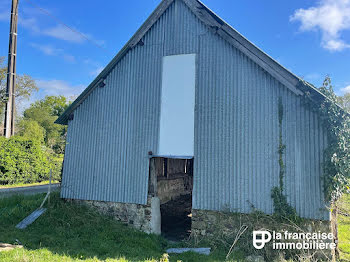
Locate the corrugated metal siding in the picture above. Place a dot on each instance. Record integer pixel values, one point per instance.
(236, 158)
(113, 130)
(236, 128)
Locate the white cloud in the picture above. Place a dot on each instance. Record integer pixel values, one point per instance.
(331, 17)
(51, 87)
(64, 33)
(30, 24)
(52, 51)
(30, 19)
(58, 87)
(345, 89)
(70, 35)
(335, 45)
(47, 49)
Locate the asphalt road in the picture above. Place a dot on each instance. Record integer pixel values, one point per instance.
(28, 190)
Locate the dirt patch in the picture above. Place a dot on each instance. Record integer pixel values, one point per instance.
(7, 247)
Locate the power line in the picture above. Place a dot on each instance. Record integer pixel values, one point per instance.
(64, 24)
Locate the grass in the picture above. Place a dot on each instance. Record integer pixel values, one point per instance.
(25, 185)
(71, 232)
(344, 229)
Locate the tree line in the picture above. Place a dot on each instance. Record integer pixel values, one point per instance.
(38, 144)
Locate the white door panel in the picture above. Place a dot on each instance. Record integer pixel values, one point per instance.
(176, 136)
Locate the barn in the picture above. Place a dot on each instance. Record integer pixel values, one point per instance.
(189, 116)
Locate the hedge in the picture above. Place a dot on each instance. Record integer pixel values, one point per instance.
(24, 160)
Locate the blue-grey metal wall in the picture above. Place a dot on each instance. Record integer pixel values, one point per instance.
(237, 137)
(236, 128)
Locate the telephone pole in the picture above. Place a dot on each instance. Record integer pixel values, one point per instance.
(9, 125)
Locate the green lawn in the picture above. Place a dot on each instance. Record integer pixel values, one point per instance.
(344, 228)
(70, 232)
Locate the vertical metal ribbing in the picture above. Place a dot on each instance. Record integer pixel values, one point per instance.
(236, 127)
(254, 127)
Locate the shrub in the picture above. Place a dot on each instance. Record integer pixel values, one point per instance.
(22, 160)
(31, 129)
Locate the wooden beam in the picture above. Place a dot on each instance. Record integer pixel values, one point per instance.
(153, 181)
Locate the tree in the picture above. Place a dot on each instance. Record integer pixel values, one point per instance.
(32, 130)
(45, 112)
(344, 101)
(25, 87)
(55, 105)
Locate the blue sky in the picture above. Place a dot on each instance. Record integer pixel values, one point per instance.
(311, 38)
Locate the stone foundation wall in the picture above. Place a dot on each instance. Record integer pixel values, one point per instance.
(210, 223)
(174, 187)
(225, 226)
(142, 217)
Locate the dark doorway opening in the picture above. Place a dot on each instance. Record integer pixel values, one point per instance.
(173, 183)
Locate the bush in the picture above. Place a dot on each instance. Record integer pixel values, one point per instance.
(56, 161)
(23, 160)
(31, 129)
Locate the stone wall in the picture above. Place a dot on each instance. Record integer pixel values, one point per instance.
(225, 226)
(173, 187)
(142, 217)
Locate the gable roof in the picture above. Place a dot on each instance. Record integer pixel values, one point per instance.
(218, 26)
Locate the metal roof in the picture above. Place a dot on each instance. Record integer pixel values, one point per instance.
(220, 27)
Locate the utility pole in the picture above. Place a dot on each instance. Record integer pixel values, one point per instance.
(9, 125)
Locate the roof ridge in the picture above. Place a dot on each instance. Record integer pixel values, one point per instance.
(224, 30)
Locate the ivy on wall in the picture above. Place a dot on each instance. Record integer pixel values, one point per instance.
(282, 209)
(336, 165)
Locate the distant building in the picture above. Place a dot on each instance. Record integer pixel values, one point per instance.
(189, 109)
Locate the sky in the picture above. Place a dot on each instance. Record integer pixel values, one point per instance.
(309, 37)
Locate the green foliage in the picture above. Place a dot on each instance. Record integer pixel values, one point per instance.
(31, 129)
(22, 160)
(337, 155)
(281, 146)
(45, 112)
(56, 162)
(344, 101)
(55, 105)
(39, 143)
(282, 208)
(344, 227)
(25, 86)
